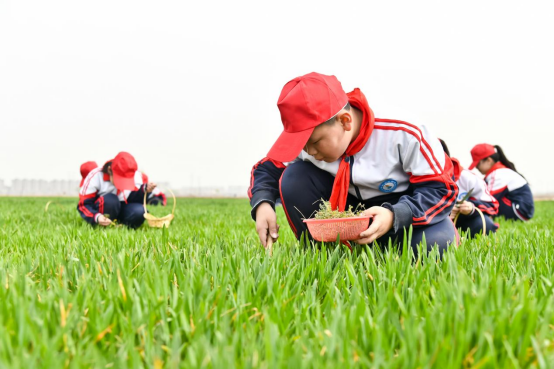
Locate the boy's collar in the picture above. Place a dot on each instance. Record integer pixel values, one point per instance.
(357, 122)
(358, 100)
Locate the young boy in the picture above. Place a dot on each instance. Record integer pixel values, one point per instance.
(333, 148)
(114, 191)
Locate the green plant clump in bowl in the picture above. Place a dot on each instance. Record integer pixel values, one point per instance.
(326, 211)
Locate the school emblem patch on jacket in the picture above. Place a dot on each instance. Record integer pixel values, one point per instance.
(388, 185)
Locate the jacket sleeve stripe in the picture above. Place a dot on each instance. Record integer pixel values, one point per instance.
(89, 177)
(276, 163)
(285, 208)
(494, 192)
(425, 155)
(448, 198)
(421, 138)
(84, 210)
(446, 201)
(489, 210)
(100, 204)
(252, 176)
(82, 206)
(506, 201)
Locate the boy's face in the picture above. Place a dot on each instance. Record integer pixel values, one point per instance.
(329, 142)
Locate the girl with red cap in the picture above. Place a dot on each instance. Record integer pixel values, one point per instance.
(508, 186)
(468, 218)
(114, 191)
(333, 147)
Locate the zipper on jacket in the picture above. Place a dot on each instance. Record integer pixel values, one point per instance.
(358, 194)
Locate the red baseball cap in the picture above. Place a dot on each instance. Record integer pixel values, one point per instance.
(85, 170)
(480, 152)
(124, 168)
(304, 103)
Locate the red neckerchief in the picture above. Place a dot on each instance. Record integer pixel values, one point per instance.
(457, 168)
(342, 180)
(497, 165)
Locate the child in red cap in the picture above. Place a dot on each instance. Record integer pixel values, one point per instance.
(480, 198)
(333, 148)
(508, 186)
(156, 197)
(114, 191)
(86, 169)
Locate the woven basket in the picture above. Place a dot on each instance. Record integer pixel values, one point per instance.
(482, 219)
(327, 230)
(156, 222)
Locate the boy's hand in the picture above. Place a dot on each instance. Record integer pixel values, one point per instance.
(465, 208)
(381, 224)
(150, 187)
(103, 221)
(266, 223)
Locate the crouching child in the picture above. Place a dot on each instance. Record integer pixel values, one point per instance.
(114, 191)
(333, 147)
(468, 219)
(156, 197)
(505, 183)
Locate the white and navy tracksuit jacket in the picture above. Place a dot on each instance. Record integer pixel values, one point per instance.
(512, 192)
(156, 196)
(402, 165)
(159, 195)
(480, 195)
(96, 185)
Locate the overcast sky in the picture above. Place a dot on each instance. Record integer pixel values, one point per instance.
(190, 87)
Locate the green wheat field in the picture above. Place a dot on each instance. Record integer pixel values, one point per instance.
(204, 294)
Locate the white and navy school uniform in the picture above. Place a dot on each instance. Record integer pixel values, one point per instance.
(402, 167)
(156, 197)
(98, 196)
(481, 199)
(512, 192)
